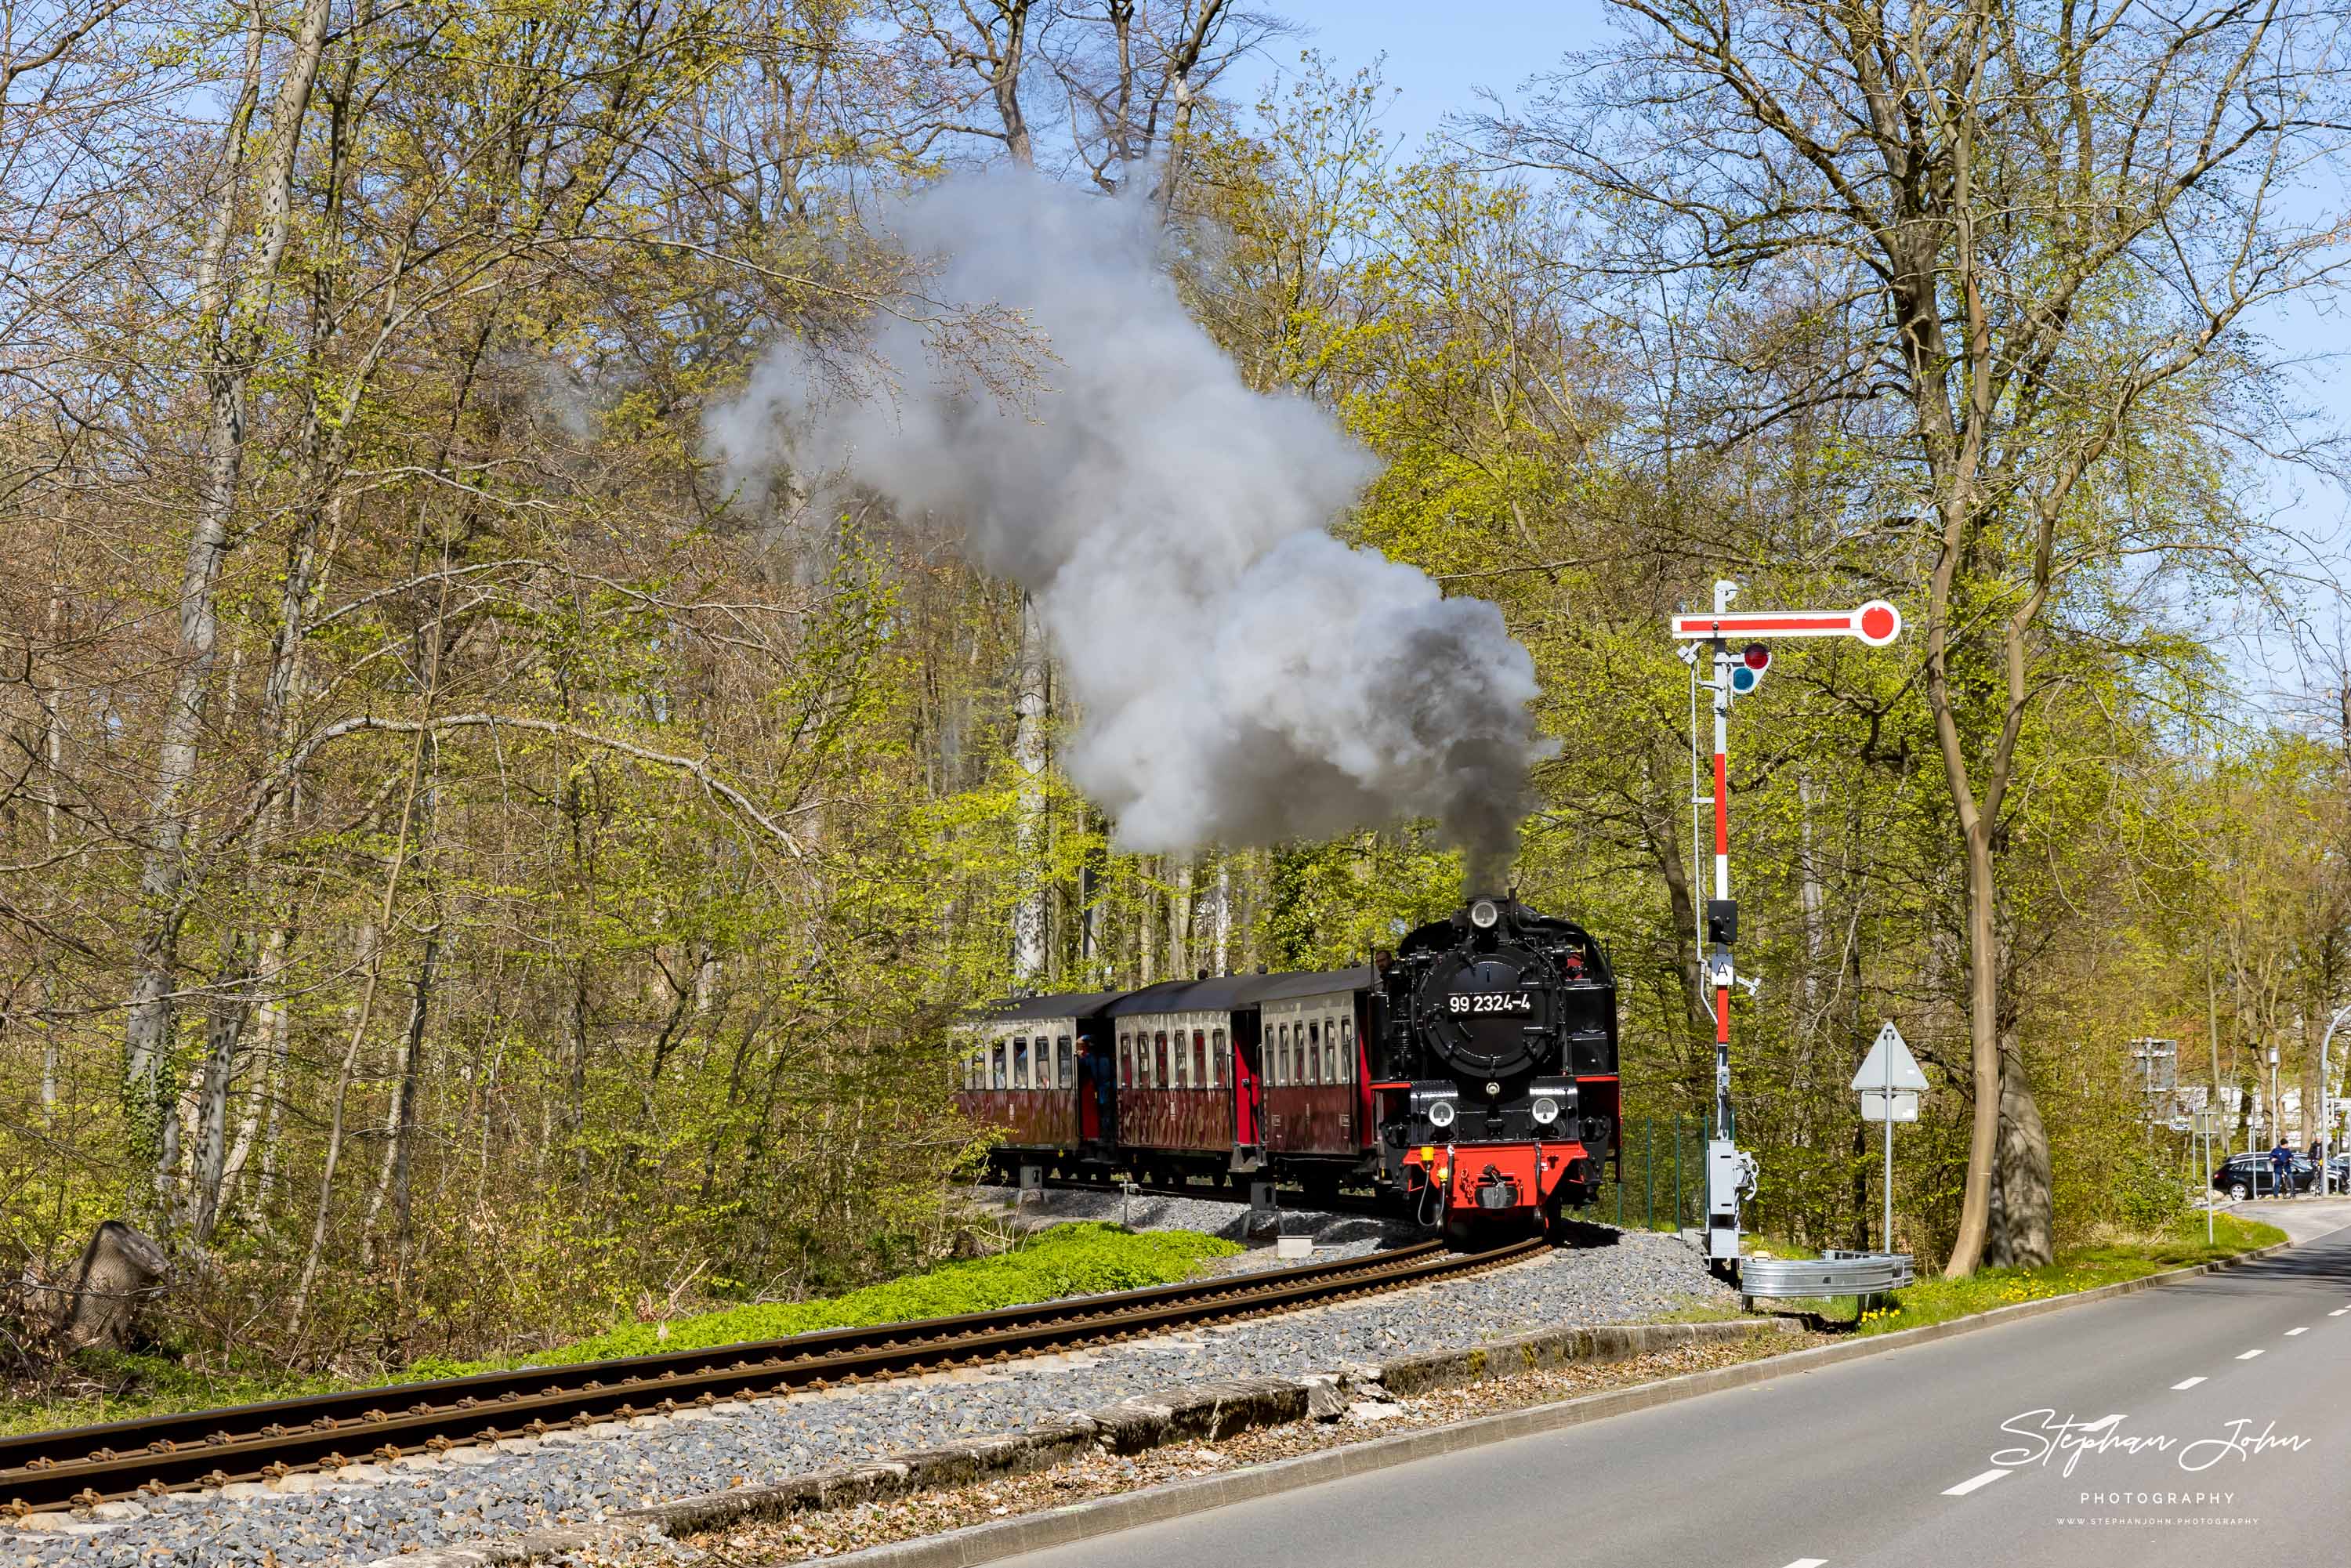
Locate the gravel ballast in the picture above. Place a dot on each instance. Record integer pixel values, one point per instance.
(575, 1477)
(1334, 1235)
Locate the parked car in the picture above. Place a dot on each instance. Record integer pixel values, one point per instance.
(2252, 1175)
(2338, 1174)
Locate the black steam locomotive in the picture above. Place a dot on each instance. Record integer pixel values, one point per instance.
(1472, 1073)
(1499, 1028)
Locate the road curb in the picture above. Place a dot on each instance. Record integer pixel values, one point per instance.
(999, 1539)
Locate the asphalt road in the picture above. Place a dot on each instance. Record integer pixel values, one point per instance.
(2203, 1423)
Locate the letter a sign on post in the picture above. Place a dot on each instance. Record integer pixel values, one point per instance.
(1891, 1076)
(1889, 1083)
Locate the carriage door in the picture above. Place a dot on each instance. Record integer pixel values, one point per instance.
(1249, 1079)
(1093, 1087)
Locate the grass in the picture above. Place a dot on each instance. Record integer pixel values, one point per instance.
(1062, 1260)
(1934, 1301)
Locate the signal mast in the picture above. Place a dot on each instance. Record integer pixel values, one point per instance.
(1729, 1170)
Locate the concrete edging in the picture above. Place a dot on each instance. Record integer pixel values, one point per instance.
(999, 1538)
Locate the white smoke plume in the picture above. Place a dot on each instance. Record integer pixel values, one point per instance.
(1242, 678)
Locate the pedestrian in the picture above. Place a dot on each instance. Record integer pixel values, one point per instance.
(2282, 1169)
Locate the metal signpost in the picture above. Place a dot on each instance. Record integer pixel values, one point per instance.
(2207, 1120)
(1730, 1172)
(1890, 1083)
(2328, 1103)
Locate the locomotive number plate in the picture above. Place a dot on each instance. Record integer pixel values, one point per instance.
(1461, 1002)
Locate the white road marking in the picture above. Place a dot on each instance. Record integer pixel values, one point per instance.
(2249, 1356)
(2189, 1383)
(1972, 1482)
(2339, 1311)
(1809, 1563)
(2291, 1333)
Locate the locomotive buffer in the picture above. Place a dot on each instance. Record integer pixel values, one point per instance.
(1730, 1170)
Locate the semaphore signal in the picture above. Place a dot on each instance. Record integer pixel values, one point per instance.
(1708, 637)
(1875, 624)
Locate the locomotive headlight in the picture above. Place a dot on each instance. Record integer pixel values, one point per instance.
(1440, 1113)
(1546, 1110)
(1483, 913)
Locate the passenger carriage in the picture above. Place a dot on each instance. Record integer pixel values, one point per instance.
(1317, 1104)
(1029, 1067)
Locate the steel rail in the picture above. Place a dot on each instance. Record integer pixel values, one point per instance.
(86, 1465)
(1374, 1207)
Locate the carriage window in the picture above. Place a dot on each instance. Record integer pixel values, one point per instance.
(1179, 1075)
(1069, 1064)
(1219, 1064)
(1343, 1069)
(1159, 1060)
(1021, 1060)
(1314, 1052)
(1281, 1057)
(1125, 1059)
(995, 1055)
(1200, 1058)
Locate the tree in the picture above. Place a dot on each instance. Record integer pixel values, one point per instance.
(2035, 237)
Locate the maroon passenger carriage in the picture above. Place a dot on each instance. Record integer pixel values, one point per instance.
(1472, 1073)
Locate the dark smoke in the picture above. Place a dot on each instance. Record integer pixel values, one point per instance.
(1242, 678)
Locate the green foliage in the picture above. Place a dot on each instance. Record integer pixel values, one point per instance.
(1063, 1260)
(2149, 1196)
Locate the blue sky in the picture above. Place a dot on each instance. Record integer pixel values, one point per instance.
(1438, 58)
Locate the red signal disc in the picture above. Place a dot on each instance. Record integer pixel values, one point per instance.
(1757, 656)
(1877, 622)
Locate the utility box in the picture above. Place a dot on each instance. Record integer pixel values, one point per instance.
(1729, 1175)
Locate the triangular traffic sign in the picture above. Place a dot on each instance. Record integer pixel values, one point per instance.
(1889, 1064)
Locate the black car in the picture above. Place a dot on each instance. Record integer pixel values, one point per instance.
(2252, 1175)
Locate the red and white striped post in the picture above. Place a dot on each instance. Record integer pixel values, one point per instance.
(1874, 623)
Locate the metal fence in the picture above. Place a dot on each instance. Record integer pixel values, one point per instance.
(1660, 1182)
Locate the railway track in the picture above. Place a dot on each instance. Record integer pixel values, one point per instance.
(88, 1464)
(1336, 1203)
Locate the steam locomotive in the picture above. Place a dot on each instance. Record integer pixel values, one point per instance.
(1470, 1074)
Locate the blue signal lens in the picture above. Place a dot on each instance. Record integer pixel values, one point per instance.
(1742, 680)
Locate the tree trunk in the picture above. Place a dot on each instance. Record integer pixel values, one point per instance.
(1179, 924)
(2018, 1235)
(1224, 915)
(1029, 696)
(233, 334)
